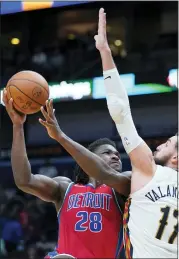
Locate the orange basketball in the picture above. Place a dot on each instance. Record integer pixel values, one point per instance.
(29, 91)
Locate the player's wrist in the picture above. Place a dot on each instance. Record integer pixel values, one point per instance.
(105, 51)
(18, 126)
(60, 136)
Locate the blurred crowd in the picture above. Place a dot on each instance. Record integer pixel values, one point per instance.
(76, 58)
(50, 60)
(28, 226)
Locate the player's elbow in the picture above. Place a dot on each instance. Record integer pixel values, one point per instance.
(117, 107)
(23, 183)
(142, 160)
(102, 173)
(106, 171)
(23, 186)
(107, 174)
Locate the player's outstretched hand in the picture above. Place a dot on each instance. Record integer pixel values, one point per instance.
(16, 117)
(101, 38)
(50, 122)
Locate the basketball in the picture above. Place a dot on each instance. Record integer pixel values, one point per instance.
(29, 91)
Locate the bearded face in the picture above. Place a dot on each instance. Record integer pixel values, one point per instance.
(166, 151)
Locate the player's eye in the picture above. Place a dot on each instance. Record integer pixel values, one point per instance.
(106, 152)
(117, 154)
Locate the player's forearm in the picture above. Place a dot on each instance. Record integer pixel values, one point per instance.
(118, 102)
(119, 109)
(116, 93)
(20, 164)
(107, 60)
(93, 165)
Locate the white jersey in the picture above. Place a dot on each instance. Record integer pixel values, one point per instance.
(151, 217)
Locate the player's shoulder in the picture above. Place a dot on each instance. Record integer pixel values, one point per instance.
(60, 179)
(166, 169)
(64, 183)
(165, 172)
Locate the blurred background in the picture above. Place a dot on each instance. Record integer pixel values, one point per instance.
(56, 39)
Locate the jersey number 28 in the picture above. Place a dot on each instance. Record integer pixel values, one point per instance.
(93, 220)
(163, 223)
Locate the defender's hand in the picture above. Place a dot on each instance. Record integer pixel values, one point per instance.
(17, 118)
(50, 122)
(101, 38)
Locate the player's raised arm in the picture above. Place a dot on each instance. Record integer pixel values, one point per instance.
(91, 164)
(118, 104)
(41, 186)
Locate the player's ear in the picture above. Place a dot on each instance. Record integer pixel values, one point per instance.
(174, 159)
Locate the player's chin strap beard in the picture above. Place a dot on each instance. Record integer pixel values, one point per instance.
(119, 109)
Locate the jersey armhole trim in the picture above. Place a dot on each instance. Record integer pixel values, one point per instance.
(117, 203)
(66, 193)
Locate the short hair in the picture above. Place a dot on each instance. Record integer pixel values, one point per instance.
(81, 176)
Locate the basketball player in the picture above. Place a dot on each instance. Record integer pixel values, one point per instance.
(150, 219)
(90, 221)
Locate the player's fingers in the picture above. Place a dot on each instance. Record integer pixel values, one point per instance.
(51, 110)
(100, 22)
(8, 104)
(51, 104)
(47, 105)
(45, 114)
(9, 107)
(4, 98)
(44, 123)
(104, 25)
(96, 37)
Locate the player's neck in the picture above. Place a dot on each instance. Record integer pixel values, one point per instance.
(94, 182)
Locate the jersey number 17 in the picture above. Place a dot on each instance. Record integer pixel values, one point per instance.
(164, 221)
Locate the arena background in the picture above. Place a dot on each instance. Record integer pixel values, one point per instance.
(58, 43)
